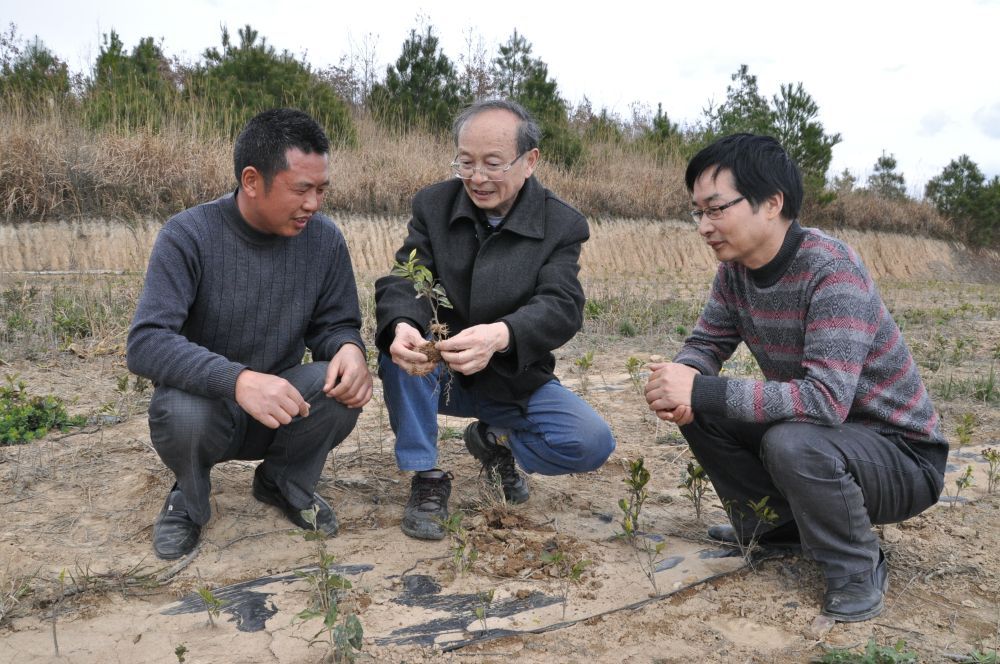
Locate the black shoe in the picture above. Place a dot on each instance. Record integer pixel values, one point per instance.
(267, 491)
(498, 462)
(859, 596)
(427, 509)
(784, 537)
(174, 533)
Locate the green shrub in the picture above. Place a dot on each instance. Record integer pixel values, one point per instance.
(26, 418)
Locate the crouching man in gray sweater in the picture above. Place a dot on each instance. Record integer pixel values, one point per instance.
(236, 291)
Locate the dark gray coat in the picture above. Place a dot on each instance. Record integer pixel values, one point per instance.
(525, 274)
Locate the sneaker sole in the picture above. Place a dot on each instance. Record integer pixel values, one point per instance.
(417, 532)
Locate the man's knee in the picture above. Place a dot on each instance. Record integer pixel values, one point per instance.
(598, 444)
(179, 417)
(790, 445)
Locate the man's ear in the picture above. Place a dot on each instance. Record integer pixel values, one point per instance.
(773, 205)
(530, 161)
(252, 182)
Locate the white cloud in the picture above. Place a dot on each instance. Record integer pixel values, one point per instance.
(932, 123)
(987, 119)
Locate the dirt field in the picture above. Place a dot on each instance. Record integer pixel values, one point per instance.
(83, 502)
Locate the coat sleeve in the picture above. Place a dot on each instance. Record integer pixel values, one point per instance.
(554, 313)
(395, 297)
(156, 348)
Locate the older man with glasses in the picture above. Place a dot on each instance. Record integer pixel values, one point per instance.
(840, 433)
(506, 250)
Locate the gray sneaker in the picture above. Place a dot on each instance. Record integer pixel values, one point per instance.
(498, 462)
(427, 509)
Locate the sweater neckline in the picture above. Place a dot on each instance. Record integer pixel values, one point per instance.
(234, 219)
(767, 275)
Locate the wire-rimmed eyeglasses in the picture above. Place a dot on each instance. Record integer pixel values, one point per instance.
(715, 211)
(465, 169)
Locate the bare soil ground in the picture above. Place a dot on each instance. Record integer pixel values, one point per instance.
(84, 501)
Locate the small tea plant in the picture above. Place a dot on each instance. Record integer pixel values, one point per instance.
(647, 553)
(344, 638)
(992, 457)
(966, 427)
(568, 573)
(963, 481)
(427, 287)
(179, 653)
(695, 483)
(483, 601)
(633, 365)
(213, 605)
(463, 553)
(584, 364)
(763, 514)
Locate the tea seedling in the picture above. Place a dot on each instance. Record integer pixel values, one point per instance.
(964, 430)
(992, 457)
(483, 601)
(429, 288)
(647, 553)
(695, 484)
(963, 481)
(213, 605)
(633, 365)
(179, 653)
(584, 364)
(344, 638)
(463, 553)
(11, 592)
(763, 514)
(568, 573)
(55, 609)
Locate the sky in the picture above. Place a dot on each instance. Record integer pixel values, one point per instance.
(919, 79)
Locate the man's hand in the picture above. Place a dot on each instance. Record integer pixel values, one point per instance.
(347, 377)
(470, 350)
(669, 387)
(681, 416)
(404, 351)
(270, 400)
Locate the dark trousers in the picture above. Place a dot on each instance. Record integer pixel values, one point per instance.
(192, 433)
(833, 481)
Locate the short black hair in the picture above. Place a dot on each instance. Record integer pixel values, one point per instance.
(528, 132)
(760, 168)
(269, 135)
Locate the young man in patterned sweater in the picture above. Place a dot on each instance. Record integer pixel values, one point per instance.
(840, 434)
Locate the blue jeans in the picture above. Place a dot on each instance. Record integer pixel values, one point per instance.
(556, 433)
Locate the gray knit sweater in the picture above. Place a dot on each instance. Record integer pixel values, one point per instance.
(829, 350)
(221, 297)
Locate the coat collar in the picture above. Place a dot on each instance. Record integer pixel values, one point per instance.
(526, 218)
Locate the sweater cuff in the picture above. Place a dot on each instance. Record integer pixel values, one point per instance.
(222, 381)
(708, 395)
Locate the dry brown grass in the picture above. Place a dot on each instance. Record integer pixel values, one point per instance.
(53, 167)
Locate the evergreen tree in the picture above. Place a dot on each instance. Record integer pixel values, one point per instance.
(31, 74)
(239, 81)
(884, 181)
(130, 90)
(518, 76)
(962, 193)
(420, 89)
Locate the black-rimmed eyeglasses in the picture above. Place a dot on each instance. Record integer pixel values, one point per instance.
(715, 211)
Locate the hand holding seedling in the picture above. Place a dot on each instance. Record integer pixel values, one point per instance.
(270, 400)
(405, 353)
(347, 377)
(470, 350)
(668, 391)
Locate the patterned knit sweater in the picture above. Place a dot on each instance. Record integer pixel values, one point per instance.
(221, 297)
(829, 350)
